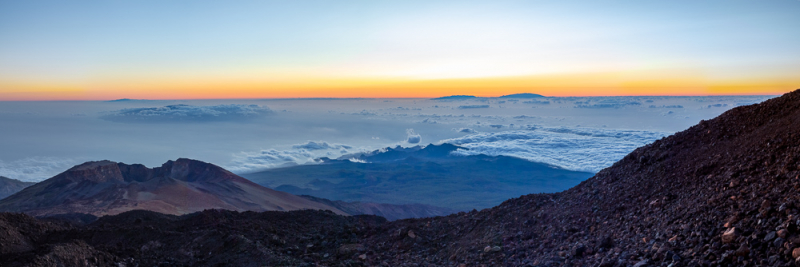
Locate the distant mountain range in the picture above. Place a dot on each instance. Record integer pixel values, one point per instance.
(93, 189)
(10, 186)
(468, 97)
(177, 187)
(426, 175)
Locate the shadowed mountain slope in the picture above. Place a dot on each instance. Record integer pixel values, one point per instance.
(10, 186)
(177, 187)
(426, 175)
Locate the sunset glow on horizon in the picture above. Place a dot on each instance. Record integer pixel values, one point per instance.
(55, 50)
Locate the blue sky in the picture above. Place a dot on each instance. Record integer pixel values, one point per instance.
(101, 50)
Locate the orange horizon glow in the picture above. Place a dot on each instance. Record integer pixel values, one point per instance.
(563, 85)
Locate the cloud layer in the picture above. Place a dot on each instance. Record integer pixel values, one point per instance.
(35, 169)
(312, 145)
(299, 154)
(188, 113)
(580, 149)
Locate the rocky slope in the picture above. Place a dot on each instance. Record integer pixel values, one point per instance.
(208, 238)
(10, 186)
(389, 211)
(722, 193)
(177, 187)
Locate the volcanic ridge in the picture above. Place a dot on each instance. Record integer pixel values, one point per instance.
(177, 187)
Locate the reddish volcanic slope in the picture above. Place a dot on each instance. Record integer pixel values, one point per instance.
(177, 187)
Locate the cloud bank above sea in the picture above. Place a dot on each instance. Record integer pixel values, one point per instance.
(188, 113)
(35, 169)
(579, 149)
(304, 153)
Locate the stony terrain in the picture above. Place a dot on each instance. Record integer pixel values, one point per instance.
(389, 211)
(722, 193)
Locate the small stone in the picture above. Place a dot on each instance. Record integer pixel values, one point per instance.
(411, 234)
(773, 259)
(673, 239)
(796, 253)
(488, 248)
(641, 263)
(743, 250)
(496, 249)
(362, 256)
(606, 262)
(770, 236)
(783, 233)
(778, 242)
(730, 235)
(675, 257)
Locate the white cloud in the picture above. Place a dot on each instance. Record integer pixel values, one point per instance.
(265, 159)
(35, 169)
(321, 145)
(188, 113)
(581, 149)
(464, 130)
(299, 154)
(413, 138)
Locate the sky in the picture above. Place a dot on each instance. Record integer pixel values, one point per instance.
(101, 50)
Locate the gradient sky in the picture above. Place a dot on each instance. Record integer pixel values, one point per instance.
(274, 49)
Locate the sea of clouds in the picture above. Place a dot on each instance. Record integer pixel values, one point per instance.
(42, 139)
(188, 113)
(36, 168)
(579, 149)
(572, 148)
(306, 153)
